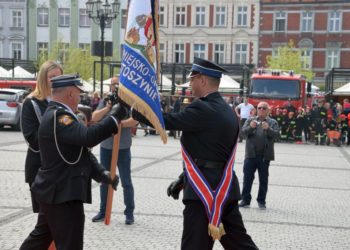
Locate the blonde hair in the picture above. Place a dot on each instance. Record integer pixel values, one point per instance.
(43, 88)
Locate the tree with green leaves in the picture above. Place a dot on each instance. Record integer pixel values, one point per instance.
(74, 60)
(290, 58)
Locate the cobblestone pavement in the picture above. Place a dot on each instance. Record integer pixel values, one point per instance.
(308, 203)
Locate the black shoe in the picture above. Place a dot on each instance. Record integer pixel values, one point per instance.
(98, 217)
(261, 206)
(243, 204)
(129, 220)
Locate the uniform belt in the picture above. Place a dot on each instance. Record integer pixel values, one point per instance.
(209, 164)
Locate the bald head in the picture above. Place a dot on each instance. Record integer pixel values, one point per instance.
(69, 96)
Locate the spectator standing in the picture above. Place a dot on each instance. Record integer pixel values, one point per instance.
(346, 106)
(260, 131)
(307, 124)
(319, 118)
(299, 125)
(289, 106)
(85, 99)
(124, 160)
(95, 100)
(244, 110)
(175, 108)
(33, 109)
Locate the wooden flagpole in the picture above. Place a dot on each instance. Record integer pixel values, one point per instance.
(114, 161)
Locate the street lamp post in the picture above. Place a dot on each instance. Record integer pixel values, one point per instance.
(102, 14)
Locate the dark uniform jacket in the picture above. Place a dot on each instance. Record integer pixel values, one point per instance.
(58, 181)
(209, 133)
(271, 134)
(30, 125)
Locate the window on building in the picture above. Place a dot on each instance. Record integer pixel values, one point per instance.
(180, 16)
(219, 53)
(334, 23)
(16, 49)
(180, 53)
(199, 50)
(161, 16)
(241, 53)
(43, 17)
(242, 15)
(280, 21)
(63, 17)
(162, 52)
(0, 17)
(84, 20)
(333, 58)
(306, 21)
(124, 18)
(220, 16)
(17, 18)
(63, 52)
(43, 50)
(274, 51)
(306, 58)
(200, 15)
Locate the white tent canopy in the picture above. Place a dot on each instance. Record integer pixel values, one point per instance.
(4, 72)
(314, 88)
(226, 82)
(19, 72)
(166, 83)
(343, 90)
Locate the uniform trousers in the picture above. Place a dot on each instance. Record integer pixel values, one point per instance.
(63, 223)
(241, 123)
(35, 204)
(249, 168)
(195, 228)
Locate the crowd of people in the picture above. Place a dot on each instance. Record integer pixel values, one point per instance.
(321, 124)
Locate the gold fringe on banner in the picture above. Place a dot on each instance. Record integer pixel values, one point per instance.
(141, 106)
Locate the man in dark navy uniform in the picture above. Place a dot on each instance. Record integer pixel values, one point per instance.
(63, 183)
(209, 134)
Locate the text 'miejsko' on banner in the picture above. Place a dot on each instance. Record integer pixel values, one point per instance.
(140, 67)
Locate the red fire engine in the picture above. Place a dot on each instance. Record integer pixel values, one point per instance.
(276, 87)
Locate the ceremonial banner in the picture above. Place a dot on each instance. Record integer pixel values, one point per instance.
(139, 71)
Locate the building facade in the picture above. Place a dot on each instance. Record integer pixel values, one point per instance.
(13, 29)
(223, 31)
(321, 28)
(66, 22)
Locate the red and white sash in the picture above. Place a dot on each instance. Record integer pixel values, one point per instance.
(213, 200)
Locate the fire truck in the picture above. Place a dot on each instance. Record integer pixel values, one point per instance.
(276, 87)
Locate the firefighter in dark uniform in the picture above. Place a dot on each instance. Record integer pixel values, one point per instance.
(63, 183)
(284, 125)
(343, 124)
(319, 118)
(299, 125)
(209, 133)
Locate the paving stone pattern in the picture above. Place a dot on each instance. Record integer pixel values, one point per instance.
(308, 202)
